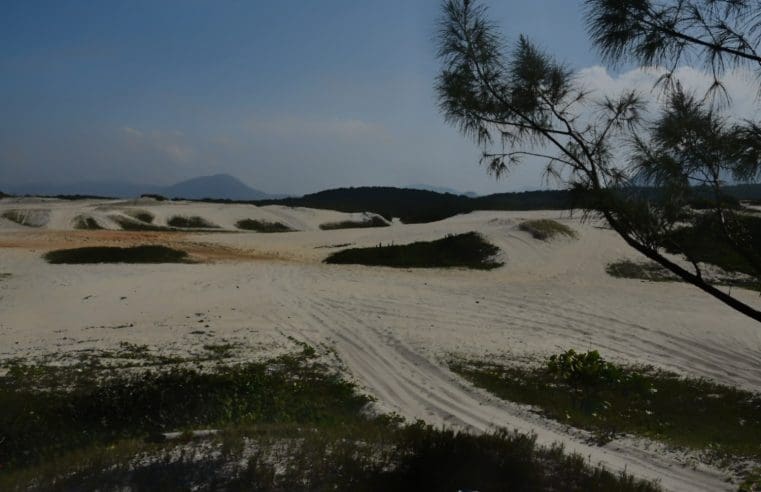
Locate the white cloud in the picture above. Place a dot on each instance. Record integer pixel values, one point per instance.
(740, 85)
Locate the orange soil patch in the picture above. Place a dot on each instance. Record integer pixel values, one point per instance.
(200, 251)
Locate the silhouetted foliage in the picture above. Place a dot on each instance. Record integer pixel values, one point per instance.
(639, 175)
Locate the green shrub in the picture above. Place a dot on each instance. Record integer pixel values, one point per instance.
(374, 221)
(109, 254)
(468, 250)
(586, 369)
(130, 224)
(262, 226)
(141, 215)
(76, 428)
(546, 229)
(585, 391)
(29, 218)
(643, 271)
(194, 222)
(86, 222)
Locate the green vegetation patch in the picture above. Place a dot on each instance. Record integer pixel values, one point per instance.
(29, 218)
(192, 222)
(546, 229)
(41, 420)
(289, 423)
(704, 242)
(141, 215)
(469, 250)
(130, 224)
(585, 391)
(109, 254)
(640, 270)
(374, 221)
(14, 216)
(87, 223)
(653, 272)
(262, 226)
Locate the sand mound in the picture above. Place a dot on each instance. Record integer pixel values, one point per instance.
(28, 217)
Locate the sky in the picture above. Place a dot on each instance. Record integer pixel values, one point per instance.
(289, 96)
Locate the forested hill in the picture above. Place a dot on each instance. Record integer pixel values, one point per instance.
(414, 206)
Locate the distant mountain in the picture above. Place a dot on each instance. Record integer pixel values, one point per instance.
(218, 186)
(442, 189)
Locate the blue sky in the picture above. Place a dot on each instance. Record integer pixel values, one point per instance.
(290, 96)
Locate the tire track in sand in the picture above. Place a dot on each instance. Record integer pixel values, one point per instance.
(416, 387)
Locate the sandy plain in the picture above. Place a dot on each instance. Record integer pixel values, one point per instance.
(390, 330)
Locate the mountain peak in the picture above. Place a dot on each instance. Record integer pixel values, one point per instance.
(218, 186)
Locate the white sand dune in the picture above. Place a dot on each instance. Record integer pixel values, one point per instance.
(393, 329)
(60, 215)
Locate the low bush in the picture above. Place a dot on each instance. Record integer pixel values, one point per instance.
(373, 221)
(289, 423)
(141, 215)
(262, 226)
(130, 224)
(193, 222)
(585, 391)
(86, 222)
(546, 229)
(653, 272)
(29, 218)
(640, 270)
(468, 250)
(110, 254)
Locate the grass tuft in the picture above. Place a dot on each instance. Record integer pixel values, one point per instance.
(192, 222)
(108, 254)
(262, 226)
(374, 221)
(546, 229)
(585, 391)
(469, 250)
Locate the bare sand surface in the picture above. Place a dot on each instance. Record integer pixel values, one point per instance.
(392, 329)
